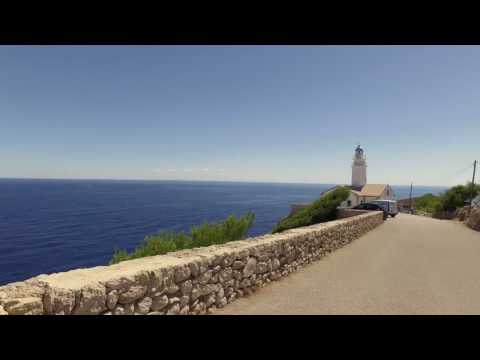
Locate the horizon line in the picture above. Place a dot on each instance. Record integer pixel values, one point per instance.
(192, 180)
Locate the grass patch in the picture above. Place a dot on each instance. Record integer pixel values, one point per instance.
(207, 234)
(323, 209)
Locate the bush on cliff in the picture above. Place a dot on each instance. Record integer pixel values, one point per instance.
(231, 229)
(321, 210)
(446, 205)
(457, 196)
(428, 203)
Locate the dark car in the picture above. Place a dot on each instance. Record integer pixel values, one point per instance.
(370, 206)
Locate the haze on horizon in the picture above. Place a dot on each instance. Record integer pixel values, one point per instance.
(240, 113)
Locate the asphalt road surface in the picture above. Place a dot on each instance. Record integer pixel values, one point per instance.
(408, 265)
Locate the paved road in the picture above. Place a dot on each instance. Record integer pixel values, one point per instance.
(408, 265)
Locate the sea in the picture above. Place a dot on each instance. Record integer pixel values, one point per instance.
(49, 226)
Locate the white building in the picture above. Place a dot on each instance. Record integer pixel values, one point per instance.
(360, 191)
(368, 193)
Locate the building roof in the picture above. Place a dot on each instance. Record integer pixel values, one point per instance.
(373, 189)
(366, 190)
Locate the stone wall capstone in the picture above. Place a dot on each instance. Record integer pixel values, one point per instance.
(194, 281)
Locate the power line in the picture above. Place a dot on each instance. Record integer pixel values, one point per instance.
(451, 175)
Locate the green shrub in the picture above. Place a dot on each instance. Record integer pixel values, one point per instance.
(428, 203)
(119, 255)
(231, 229)
(452, 199)
(457, 196)
(323, 209)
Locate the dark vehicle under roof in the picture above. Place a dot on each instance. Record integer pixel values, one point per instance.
(373, 207)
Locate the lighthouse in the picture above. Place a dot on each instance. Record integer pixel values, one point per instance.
(359, 169)
(360, 191)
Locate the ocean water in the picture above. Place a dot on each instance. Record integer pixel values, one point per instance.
(49, 226)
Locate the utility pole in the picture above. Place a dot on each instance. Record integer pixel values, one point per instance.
(411, 210)
(473, 184)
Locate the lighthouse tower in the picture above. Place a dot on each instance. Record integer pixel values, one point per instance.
(359, 168)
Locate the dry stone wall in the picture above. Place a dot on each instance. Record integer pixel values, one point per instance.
(195, 281)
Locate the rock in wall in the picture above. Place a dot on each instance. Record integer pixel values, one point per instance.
(474, 219)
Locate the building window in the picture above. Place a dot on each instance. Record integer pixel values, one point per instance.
(349, 203)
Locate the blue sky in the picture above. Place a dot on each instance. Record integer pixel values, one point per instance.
(240, 113)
